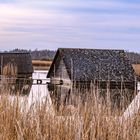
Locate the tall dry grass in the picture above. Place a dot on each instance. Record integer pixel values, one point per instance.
(136, 68)
(91, 121)
(9, 75)
(41, 64)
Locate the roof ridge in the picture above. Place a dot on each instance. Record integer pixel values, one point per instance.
(90, 49)
(14, 53)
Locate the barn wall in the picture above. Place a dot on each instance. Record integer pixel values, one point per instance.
(60, 92)
(61, 74)
(81, 92)
(21, 60)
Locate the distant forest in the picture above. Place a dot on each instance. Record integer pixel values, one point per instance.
(38, 54)
(49, 55)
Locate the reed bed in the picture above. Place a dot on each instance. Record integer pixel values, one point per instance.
(136, 67)
(90, 121)
(41, 63)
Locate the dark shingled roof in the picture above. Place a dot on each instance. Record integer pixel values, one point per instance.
(21, 60)
(95, 64)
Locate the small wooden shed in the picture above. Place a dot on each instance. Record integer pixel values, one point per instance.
(16, 70)
(105, 68)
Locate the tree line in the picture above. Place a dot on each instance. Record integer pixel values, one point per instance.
(49, 55)
(37, 54)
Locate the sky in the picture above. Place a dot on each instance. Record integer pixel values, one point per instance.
(52, 24)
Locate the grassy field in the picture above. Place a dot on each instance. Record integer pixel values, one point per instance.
(41, 64)
(137, 68)
(92, 121)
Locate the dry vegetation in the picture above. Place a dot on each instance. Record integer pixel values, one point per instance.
(93, 121)
(41, 64)
(137, 68)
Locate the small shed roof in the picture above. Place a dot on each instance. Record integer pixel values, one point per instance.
(94, 64)
(21, 60)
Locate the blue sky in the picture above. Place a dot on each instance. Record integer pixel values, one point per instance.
(49, 24)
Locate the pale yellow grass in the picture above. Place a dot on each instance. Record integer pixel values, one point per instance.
(92, 121)
(136, 67)
(41, 63)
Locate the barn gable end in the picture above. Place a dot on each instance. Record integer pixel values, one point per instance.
(61, 74)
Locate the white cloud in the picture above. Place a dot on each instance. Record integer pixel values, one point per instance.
(27, 24)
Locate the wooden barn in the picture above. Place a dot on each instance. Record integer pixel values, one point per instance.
(103, 68)
(16, 71)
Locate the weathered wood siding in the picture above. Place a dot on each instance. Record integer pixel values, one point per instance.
(61, 74)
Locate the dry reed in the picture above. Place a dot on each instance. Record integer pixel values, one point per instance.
(91, 121)
(136, 67)
(41, 63)
(9, 75)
